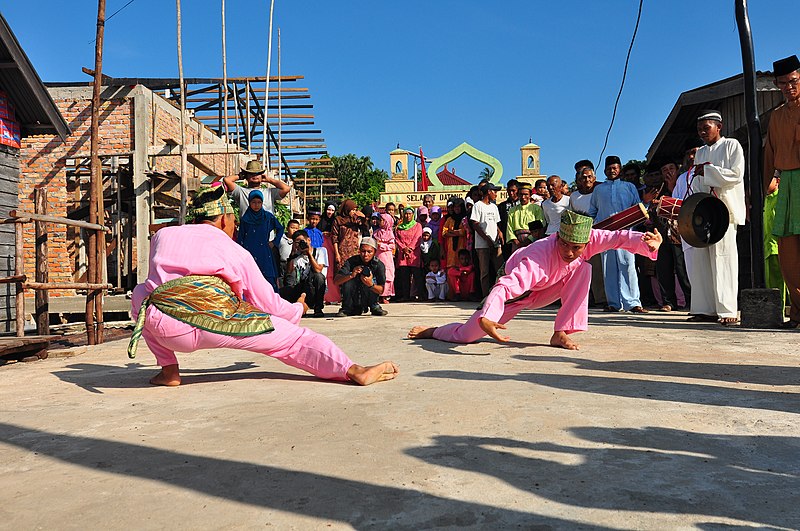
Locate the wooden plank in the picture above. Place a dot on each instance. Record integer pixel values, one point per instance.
(42, 298)
(65, 285)
(197, 149)
(13, 279)
(19, 214)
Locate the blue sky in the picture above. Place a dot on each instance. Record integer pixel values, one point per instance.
(436, 73)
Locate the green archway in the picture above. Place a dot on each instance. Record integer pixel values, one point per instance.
(453, 154)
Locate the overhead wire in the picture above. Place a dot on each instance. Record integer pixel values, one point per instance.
(622, 84)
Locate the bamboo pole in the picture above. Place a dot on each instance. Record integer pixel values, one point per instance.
(264, 154)
(225, 85)
(247, 108)
(184, 158)
(280, 119)
(94, 299)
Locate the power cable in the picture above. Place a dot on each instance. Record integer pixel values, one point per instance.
(622, 85)
(114, 13)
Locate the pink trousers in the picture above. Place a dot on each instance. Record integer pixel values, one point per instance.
(573, 316)
(293, 345)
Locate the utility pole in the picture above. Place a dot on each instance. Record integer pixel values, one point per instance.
(760, 307)
(97, 239)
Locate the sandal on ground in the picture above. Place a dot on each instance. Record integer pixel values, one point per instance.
(728, 321)
(702, 318)
(610, 309)
(639, 309)
(666, 308)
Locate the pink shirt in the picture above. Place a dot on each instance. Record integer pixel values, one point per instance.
(206, 250)
(539, 266)
(409, 238)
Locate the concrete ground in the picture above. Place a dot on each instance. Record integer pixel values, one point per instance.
(654, 424)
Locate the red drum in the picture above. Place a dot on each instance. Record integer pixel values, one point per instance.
(669, 208)
(625, 219)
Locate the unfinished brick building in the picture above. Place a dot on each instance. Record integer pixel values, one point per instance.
(139, 133)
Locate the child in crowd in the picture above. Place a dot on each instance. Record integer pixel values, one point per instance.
(391, 209)
(435, 281)
(435, 215)
(422, 216)
(384, 237)
(461, 278)
(536, 229)
(285, 248)
(429, 247)
(374, 223)
(314, 234)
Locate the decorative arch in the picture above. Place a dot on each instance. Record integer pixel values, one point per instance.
(398, 167)
(531, 163)
(464, 149)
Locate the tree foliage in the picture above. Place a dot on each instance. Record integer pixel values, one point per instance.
(356, 177)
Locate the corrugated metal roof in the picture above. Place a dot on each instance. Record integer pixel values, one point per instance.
(35, 109)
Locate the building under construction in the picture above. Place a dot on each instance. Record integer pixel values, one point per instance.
(139, 149)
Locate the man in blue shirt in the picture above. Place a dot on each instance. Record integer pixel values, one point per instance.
(619, 268)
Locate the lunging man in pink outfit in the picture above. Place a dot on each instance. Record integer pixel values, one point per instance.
(204, 291)
(549, 269)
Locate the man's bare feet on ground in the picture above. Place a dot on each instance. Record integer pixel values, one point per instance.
(562, 340)
(168, 376)
(421, 332)
(375, 373)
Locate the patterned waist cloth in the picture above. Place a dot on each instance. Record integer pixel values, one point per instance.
(205, 302)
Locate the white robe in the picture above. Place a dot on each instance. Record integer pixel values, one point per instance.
(714, 270)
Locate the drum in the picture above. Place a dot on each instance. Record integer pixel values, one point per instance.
(669, 207)
(624, 219)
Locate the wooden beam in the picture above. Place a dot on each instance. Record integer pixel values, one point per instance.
(195, 149)
(197, 163)
(56, 219)
(65, 285)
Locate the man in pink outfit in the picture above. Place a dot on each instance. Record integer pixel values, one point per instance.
(206, 251)
(549, 269)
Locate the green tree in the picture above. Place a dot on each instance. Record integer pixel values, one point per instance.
(358, 178)
(486, 173)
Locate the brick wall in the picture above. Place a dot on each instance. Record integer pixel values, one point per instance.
(43, 162)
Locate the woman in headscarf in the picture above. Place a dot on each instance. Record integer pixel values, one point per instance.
(256, 225)
(346, 232)
(409, 256)
(454, 235)
(327, 217)
(384, 236)
(218, 298)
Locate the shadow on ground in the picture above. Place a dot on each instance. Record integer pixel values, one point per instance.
(652, 470)
(94, 376)
(360, 504)
(690, 393)
(725, 372)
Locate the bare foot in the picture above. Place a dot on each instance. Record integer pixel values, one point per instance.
(168, 376)
(421, 332)
(375, 373)
(562, 340)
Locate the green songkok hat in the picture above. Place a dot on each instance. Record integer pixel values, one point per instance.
(575, 228)
(210, 202)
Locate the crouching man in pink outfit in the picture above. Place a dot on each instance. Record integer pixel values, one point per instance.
(549, 269)
(204, 291)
